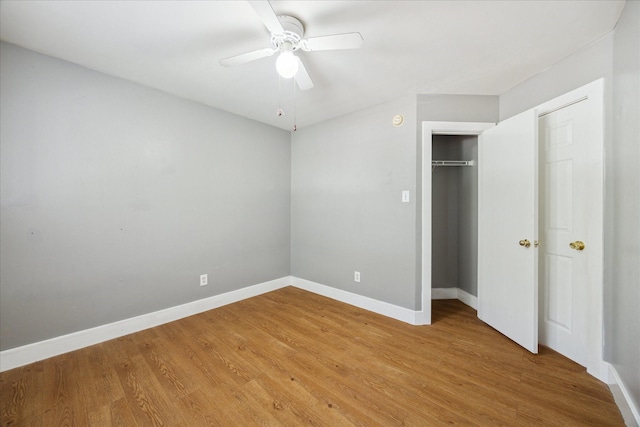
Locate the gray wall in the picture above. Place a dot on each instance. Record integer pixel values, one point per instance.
(615, 57)
(577, 70)
(457, 108)
(623, 319)
(116, 197)
(444, 214)
(347, 177)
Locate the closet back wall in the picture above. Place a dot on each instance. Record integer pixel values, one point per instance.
(444, 216)
(455, 215)
(116, 197)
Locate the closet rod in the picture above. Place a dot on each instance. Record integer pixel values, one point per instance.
(451, 162)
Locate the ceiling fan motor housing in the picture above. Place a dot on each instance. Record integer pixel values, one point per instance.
(293, 32)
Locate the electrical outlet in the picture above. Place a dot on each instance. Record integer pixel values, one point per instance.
(204, 279)
(356, 276)
(405, 196)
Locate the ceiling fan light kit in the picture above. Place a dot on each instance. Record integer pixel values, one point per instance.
(287, 64)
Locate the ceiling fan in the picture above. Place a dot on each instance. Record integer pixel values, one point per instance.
(286, 38)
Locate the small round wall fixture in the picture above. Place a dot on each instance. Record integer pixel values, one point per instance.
(398, 120)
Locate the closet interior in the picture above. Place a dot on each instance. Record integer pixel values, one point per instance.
(454, 213)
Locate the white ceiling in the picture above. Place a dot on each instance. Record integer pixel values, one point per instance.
(447, 47)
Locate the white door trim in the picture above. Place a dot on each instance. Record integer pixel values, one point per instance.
(428, 130)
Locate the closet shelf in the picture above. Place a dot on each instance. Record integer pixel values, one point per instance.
(452, 163)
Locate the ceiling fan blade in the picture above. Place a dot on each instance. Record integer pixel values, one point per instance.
(302, 77)
(246, 57)
(334, 42)
(269, 18)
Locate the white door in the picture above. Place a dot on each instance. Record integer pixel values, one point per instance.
(507, 228)
(565, 203)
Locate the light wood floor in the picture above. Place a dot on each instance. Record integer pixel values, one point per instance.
(293, 358)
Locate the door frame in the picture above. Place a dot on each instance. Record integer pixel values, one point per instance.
(593, 91)
(428, 130)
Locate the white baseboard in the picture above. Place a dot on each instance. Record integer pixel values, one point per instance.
(396, 312)
(30, 353)
(455, 293)
(444, 293)
(467, 298)
(630, 412)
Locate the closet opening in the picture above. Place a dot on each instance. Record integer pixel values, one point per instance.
(454, 217)
(458, 145)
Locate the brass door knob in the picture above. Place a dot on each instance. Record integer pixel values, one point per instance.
(526, 243)
(577, 245)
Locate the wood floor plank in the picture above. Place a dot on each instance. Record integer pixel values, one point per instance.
(102, 383)
(338, 377)
(147, 399)
(291, 358)
(197, 410)
(226, 358)
(175, 377)
(196, 360)
(269, 403)
(64, 403)
(235, 406)
(293, 400)
(100, 416)
(21, 395)
(121, 414)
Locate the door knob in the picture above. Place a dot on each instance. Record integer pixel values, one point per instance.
(577, 245)
(526, 243)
